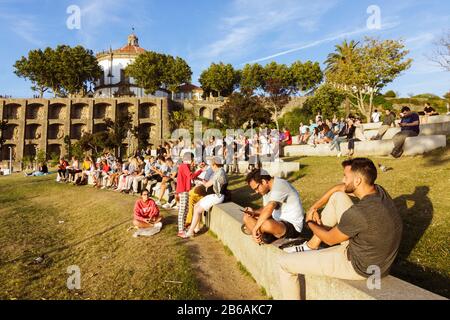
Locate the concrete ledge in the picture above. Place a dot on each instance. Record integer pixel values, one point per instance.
(225, 221)
(429, 129)
(413, 146)
(275, 169)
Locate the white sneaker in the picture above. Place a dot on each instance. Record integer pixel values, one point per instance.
(158, 203)
(167, 206)
(339, 154)
(300, 248)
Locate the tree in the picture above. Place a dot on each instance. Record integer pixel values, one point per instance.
(441, 54)
(95, 142)
(148, 70)
(78, 67)
(118, 131)
(240, 108)
(176, 73)
(220, 78)
(306, 76)
(64, 70)
(252, 78)
(35, 68)
(363, 70)
(326, 99)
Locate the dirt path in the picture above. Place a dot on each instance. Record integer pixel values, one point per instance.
(218, 273)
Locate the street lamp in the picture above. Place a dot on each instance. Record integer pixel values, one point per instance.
(10, 160)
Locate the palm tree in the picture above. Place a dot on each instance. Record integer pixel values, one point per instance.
(344, 54)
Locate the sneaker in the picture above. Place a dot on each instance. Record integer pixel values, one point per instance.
(301, 248)
(184, 235)
(167, 206)
(339, 154)
(158, 203)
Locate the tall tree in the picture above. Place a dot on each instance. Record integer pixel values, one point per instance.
(78, 69)
(252, 78)
(240, 108)
(220, 78)
(64, 70)
(306, 76)
(326, 99)
(176, 73)
(148, 70)
(36, 68)
(363, 70)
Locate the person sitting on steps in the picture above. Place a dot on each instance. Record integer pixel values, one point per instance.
(361, 235)
(282, 215)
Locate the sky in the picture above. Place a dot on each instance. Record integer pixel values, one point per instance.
(233, 31)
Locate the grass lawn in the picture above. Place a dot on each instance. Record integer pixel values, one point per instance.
(93, 237)
(420, 188)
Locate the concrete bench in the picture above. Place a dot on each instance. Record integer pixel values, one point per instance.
(275, 169)
(429, 129)
(225, 221)
(413, 146)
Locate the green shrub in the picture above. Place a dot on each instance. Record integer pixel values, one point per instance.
(390, 94)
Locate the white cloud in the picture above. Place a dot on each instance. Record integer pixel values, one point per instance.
(25, 26)
(241, 32)
(342, 35)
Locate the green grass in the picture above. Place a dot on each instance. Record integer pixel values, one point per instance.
(420, 189)
(93, 236)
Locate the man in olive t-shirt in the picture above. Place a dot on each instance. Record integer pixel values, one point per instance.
(363, 237)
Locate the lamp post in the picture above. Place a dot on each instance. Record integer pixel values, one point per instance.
(10, 160)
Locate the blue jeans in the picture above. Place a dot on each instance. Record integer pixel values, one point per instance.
(337, 143)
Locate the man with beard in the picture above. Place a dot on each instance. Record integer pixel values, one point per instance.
(361, 236)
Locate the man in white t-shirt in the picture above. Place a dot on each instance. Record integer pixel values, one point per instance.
(376, 116)
(282, 215)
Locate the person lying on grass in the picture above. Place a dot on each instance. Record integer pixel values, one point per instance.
(146, 212)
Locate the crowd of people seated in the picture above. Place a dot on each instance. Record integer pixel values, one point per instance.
(333, 133)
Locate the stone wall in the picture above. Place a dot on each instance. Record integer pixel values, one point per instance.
(43, 123)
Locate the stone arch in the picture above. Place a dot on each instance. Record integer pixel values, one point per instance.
(203, 112)
(76, 131)
(57, 111)
(124, 108)
(11, 111)
(80, 111)
(55, 132)
(53, 149)
(11, 132)
(30, 150)
(102, 111)
(100, 127)
(146, 110)
(215, 114)
(35, 111)
(4, 152)
(33, 132)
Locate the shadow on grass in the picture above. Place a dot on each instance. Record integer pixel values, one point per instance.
(416, 220)
(438, 157)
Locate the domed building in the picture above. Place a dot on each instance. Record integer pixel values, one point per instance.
(114, 82)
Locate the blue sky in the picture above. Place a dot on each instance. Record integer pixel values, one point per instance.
(234, 31)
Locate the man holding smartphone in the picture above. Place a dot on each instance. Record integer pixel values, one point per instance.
(282, 215)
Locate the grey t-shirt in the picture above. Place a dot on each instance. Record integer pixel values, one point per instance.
(375, 230)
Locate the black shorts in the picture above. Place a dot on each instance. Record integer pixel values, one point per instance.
(291, 232)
